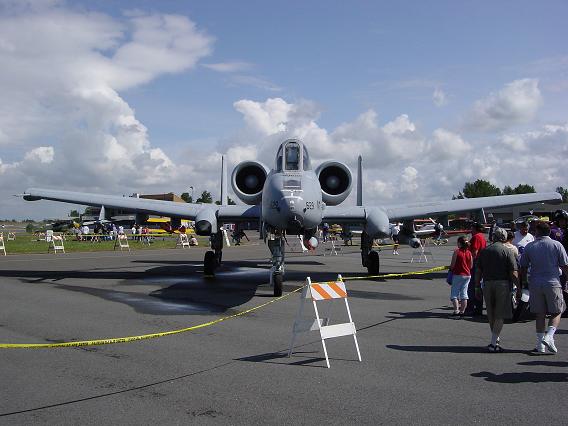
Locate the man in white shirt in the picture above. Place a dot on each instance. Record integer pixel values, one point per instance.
(395, 230)
(522, 237)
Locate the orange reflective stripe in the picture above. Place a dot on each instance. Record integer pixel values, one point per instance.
(321, 291)
(338, 289)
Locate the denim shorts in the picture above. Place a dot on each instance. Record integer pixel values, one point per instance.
(459, 287)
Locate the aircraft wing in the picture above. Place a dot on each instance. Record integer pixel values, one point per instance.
(146, 206)
(137, 205)
(356, 214)
(441, 208)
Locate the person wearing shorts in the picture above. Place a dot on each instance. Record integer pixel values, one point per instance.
(497, 267)
(546, 257)
(461, 265)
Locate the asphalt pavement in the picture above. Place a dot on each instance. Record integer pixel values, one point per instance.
(418, 366)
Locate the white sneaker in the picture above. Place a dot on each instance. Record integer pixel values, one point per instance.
(548, 341)
(540, 348)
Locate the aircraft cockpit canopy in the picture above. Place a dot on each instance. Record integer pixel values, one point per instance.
(292, 156)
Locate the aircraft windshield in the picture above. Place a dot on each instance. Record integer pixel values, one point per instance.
(279, 160)
(292, 156)
(306, 162)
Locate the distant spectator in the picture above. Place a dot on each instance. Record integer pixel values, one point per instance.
(193, 241)
(522, 237)
(509, 244)
(476, 244)
(497, 267)
(438, 230)
(545, 257)
(134, 231)
(325, 232)
(492, 229)
(461, 265)
(395, 231)
(120, 230)
(559, 232)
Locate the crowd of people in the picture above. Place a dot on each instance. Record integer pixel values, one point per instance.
(497, 272)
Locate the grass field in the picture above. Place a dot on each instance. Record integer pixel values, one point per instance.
(27, 244)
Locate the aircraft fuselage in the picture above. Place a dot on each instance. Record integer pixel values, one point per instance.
(292, 201)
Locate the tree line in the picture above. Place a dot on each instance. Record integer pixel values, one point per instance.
(484, 188)
(205, 198)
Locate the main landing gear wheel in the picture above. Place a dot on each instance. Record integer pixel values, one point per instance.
(373, 263)
(209, 263)
(277, 280)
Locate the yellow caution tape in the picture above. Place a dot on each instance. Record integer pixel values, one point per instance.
(404, 274)
(111, 341)
(142, 337)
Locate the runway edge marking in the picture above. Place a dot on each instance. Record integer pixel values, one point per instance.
(110, 341)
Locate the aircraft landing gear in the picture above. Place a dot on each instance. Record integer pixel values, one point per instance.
(369, 257)
(276, 246)
(212, 259)
(373, 263)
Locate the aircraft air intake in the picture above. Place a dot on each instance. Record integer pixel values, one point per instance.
(248, 180)
(336, 180)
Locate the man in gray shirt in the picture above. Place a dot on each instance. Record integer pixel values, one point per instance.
(546, 258)
(497, 266)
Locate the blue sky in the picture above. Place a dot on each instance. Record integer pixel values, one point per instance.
(433, 94)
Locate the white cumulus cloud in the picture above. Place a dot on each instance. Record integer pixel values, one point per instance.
(62, 73)
(517, 103)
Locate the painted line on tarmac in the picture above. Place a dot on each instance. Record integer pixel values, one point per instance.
(110, 341)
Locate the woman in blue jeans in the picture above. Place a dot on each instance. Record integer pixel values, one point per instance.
(461, 265)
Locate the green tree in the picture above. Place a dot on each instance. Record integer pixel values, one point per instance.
(480, 188)
(564, 193)
(507, 190)
(205, 198)
(74, 213)
(186, 197)
(230, 201)
(524, 189)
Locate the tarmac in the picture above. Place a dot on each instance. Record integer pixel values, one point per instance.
(418, 366)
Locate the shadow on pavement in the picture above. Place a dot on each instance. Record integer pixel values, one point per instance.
(524, 377)
(546, 363)
(451, 349)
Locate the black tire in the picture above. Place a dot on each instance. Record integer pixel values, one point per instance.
(209, 263)
(373, 263)
(278, 281)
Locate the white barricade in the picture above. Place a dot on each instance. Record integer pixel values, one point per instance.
(421, 253)
(56, 243)
(296, 244)
(11, 236)
(2, 245)
(333, 250)
(327, 292)
(122, 242)
(182, 241)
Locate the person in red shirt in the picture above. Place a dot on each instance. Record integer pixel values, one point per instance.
(462, 262)
(476, 244)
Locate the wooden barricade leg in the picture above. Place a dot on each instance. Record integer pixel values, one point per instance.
(321, 336)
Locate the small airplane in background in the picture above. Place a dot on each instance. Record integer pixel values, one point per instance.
(292, 198)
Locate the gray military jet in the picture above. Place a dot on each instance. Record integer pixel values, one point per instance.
(292, 198)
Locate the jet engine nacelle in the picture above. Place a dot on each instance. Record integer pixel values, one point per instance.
(206, 222)
(335, 180)
(248, 180)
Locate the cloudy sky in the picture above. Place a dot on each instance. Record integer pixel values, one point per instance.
(144, 96)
